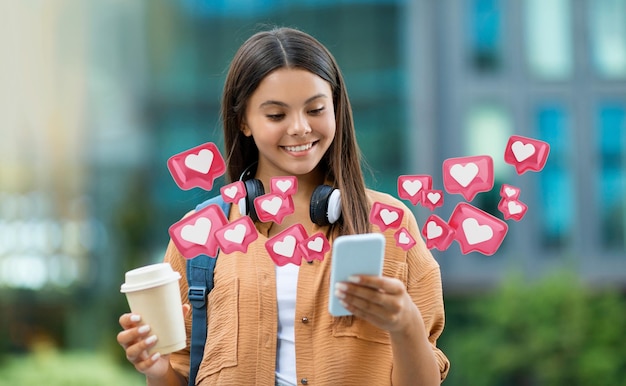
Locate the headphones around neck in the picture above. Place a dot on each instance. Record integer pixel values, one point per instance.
(324, 209)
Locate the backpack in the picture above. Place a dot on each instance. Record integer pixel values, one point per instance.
(200, 281)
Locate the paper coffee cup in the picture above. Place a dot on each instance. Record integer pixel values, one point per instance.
(152, 291)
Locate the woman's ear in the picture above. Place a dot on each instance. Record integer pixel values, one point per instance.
(245, 130)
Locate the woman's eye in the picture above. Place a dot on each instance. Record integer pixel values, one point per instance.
(275, 117)
(316, 111)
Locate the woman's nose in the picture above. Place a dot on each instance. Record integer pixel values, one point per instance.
(300, 126)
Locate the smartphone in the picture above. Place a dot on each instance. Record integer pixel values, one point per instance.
(360, 254)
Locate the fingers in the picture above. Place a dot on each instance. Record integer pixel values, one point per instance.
(379, 300)
(385, 284)
(129, 320)
(136, 340)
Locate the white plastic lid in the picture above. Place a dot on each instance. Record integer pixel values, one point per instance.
(149, 276)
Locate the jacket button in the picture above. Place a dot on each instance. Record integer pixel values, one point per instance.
(305, 319)
(304, 381)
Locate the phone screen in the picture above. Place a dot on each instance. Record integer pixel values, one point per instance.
(361, 254)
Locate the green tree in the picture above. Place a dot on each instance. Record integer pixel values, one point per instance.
(554, 331)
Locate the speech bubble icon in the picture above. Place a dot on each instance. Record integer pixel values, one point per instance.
(438, 233)
(509, 192)
(283, 248)
(512, 209)
(386, 216)
(237, 235)
(233, 192)
(194, 234)
(432, 198)
(468, 176)
(411, 186)
(314, 247)
(273, 207)
(284, 186)
(526, 153)
(477, 230)
(197, 167)
(404, 239)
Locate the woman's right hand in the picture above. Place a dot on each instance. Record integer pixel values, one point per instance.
(136, 340)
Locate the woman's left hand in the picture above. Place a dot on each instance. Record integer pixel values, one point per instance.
(382, 301)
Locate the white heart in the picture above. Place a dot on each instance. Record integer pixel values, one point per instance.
(514, 208)
(272, 206)
(433, 230)
(509, 192)
(404, 239)
(464, 174)
(283, 185)
(388, 216)
(231, 192)
(412, 187)
(433, 197)
(522, 151)
(285, 247)
(475, 233)
(316, 245)
(198, 233)
(236, 234)
(200, 162)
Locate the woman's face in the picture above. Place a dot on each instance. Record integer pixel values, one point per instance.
(291, 118)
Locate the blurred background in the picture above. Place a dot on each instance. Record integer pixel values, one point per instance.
(95, 96)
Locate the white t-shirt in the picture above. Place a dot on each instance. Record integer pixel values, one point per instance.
(286, 288)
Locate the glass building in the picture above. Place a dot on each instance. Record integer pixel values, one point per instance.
(98, 95)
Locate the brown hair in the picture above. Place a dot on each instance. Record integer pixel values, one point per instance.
(265, 52)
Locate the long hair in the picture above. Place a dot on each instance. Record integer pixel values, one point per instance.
(265, 52)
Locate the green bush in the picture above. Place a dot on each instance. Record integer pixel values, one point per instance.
(552, 332)
(53, 368)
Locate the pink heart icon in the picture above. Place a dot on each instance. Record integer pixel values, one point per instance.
(282, 248)
(526, 153)
(512, 209)
(284, 186)
(314, 247)
(404, 239)
(195, 234)
(411, 186)
(273, 207)
(386, 216)
(477, 230)
(237, 235)
(233, 192)
(509, 192)
(432, 199)
(197, 167)
(468, 175)
(438, 233)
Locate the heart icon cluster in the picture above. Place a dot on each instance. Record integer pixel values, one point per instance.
(208, 229)
(474, 229)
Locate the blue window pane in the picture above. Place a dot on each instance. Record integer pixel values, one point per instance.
(556, 185)
(612, 175)
(485, 34)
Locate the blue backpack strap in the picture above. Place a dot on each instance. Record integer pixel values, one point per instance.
(200, 281)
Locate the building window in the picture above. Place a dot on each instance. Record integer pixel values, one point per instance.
(548, 35)
(607, 21)
(556, 185)
(612, 175)
(488, 127)
(485, 35)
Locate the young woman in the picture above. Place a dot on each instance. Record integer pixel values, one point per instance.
(286, 112)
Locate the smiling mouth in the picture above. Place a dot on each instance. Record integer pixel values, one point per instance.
(299, 147)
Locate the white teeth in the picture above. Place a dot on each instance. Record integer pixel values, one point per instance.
(299, 148)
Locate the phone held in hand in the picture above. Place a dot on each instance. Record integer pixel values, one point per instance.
(361, 254)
